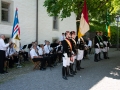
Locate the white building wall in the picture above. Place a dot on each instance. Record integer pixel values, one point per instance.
(27, 20)
(46, 25)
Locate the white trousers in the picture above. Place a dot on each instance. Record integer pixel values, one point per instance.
(97, 50)
(80, 54)
(106, 49)
(102, 49)
(66, 60)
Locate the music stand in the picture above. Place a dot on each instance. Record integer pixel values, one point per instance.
(20, 57)
(53, 45)
(24, 46)
(29, 46)
(39, 45)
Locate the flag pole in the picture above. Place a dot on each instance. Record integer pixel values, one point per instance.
(36, 20)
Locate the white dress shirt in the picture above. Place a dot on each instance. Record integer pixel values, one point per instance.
(3, 46)
(33, 53)
(10, 51)
(62, 38)
(90, 43)
(47, 49)
(40, 51)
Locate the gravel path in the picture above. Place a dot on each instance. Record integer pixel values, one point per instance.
(103, 75)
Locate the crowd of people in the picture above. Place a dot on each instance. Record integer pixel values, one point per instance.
(69, 50)
(101, 45)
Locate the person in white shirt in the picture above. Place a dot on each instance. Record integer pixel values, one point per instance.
(35, 56)
(62, 37)
(89, 45)
(41, 52)
(12, 55)
(59, 51)
(48, 51)
(24, 53)
(3, 48)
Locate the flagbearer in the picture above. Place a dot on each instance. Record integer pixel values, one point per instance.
(106, 45)
(80, 45)
(83, 28)
(67, 53)
(96, 46)
(101, 44)
(74, 52)
(3, 48)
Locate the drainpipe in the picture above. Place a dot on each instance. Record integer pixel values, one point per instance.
(37, 20)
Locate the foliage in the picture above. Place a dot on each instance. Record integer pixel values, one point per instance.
(97, 8)
(95, 26)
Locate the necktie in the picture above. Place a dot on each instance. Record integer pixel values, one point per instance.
(37, 52)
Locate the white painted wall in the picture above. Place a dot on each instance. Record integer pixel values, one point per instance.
(46, 25)
(27, 20)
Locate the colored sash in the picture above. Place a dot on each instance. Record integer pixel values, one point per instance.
(74, 41)
(69, 43)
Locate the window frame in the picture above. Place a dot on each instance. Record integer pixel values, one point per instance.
(10, 12)
(5, 9)
(55, 21)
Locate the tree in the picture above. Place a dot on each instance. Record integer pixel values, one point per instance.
(97, 8)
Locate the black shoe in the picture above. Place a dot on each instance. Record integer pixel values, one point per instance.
(51, 66)
(6, 72)
(95, 61)
(42, 69)
(64, 77)
(78, 69)
(105, 58)
(70, 75)
(2, 73)
(81, 68)
(74, 73)
(100, 59)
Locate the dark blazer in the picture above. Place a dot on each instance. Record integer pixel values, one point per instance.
(96, 40)
(66, 48)
(74, 45)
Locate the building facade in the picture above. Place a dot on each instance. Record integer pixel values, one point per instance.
(49, 28)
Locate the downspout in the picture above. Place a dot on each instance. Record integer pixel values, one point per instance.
(37, 20)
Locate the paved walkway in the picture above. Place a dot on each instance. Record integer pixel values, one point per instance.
(103, 75)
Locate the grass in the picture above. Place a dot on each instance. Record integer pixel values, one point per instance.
(27, 66)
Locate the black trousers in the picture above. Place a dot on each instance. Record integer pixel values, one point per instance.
(12, 61)
(25, 55)
(85, 53)
(60, 56)
(90, 50)
(53, 58)
(48, 59)
(2, 58)
(42, 60)
(15, 59)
